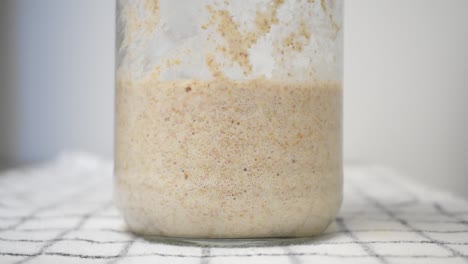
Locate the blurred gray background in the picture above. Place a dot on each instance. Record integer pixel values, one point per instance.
(406, 83)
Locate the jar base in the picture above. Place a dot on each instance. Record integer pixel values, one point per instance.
(233, 242)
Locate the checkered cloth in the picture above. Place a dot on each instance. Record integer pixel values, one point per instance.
(62, 212)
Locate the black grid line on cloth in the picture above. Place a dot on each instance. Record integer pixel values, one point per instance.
(230, 255)
(293, 259)
(340, 222)
(205, 255)
(113, 230)
(62, 229)
(65, 239)
(358, 213)
(15, 254)
(123, 253)
(443, 211)
(375, 202)
(311, 244)
(65, 232)
(347, 217)
(53, 205)
(415, 230)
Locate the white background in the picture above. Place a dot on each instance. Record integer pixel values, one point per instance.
(406, 83)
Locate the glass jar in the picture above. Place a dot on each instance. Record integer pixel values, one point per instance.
(229, 117)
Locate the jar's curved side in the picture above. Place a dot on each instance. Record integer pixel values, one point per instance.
(228, 156)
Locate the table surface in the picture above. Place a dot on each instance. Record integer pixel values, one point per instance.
(62, 212)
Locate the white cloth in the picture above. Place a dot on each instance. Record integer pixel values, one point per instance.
(62, 212)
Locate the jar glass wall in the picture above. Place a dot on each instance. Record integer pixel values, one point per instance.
(229, 117)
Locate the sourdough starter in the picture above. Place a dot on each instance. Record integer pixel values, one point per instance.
(239, 137)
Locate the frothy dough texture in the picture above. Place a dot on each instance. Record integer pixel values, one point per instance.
(228, 159)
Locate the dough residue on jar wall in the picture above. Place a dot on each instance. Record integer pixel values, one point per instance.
(273, 39)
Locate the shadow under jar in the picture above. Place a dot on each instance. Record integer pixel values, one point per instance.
(228, 117)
